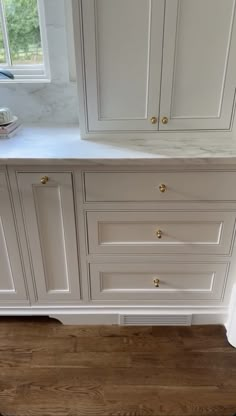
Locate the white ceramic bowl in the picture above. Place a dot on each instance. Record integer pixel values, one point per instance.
(6, 116)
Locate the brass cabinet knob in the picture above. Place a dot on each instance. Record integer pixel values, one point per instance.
(44, 180)
(156, 282)
(159, 234)
(153, 120)
(162, 187)
(164, 120)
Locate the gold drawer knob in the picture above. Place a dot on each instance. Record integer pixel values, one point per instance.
(44, 180)
(159, 234)
(164, 120)
(153, 120)
(156, 282)
(162, 187)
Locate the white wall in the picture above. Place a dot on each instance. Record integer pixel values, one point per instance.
(48, 102)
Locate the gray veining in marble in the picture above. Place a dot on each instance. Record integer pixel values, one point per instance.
(62, 145)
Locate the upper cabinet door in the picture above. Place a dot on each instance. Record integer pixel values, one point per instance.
(48, 208)
(12, 285)
(123, 53)
(199, 65)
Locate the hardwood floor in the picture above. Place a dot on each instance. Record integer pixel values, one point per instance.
(47, 369)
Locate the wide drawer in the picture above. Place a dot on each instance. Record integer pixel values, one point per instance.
(160, 281)
(179, 186)
(160, 232)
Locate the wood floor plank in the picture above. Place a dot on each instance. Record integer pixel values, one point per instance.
(185, 359)
(150, 344)
(225, 378)
(172, 400)
(81, 360)
(13, 359)
(31, 343)
(47, 369)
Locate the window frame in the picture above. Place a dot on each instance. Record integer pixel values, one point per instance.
(28, 73)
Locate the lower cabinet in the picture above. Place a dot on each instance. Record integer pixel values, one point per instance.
(49, 218)
(12, 284)
(139, 253)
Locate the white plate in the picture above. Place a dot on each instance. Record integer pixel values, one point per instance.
(13, 120)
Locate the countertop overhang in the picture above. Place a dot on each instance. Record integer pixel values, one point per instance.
(51, 145)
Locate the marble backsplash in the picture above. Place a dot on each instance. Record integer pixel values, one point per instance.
(35, 103)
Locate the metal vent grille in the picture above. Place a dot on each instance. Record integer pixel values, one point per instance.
(158, 320)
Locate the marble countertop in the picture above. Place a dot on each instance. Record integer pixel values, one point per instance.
(62, 145)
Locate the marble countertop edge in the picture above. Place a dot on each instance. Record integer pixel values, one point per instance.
(57, 145)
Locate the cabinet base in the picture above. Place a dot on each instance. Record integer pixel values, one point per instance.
(142, 316)
(124, 315)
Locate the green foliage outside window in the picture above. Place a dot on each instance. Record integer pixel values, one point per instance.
(2, 52)
(23, 32)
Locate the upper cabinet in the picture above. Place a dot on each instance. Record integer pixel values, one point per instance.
(156, 65)
(123, 63)
(198, 71)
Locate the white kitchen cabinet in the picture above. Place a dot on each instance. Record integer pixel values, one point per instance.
(119, 244)
(198, 75)
(12, 284)
(122, 63)
(156, 65)
(49, 217)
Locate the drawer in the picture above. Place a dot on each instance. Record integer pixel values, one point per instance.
(160, 232)
(180, 186)
(160, 282)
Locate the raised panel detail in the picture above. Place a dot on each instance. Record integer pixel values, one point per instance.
(160, 232)
(177, 281)
(50, 225)
(6, 281)
(198, 84)
(123, 50)
(51, 232)
(12, 284)
(116, 54)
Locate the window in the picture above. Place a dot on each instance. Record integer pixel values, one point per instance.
(22, 39)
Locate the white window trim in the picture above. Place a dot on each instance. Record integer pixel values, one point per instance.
(28, 73)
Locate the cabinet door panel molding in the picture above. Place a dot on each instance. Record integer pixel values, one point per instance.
(12, 281)
(197, 86)
(111, 55)
(49, 219)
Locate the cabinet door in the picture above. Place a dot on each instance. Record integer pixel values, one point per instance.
(12, 285)
(48, 210)
(199, 65)
(123, 52)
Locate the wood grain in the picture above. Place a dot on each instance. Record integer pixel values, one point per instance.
(47, 369)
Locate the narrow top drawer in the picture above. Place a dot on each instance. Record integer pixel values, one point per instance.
(160, 186)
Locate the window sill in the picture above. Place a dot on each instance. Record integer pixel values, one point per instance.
(26, 81)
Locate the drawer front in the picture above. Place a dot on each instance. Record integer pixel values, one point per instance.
(161, 282)
(160, 232)
(183, 186)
